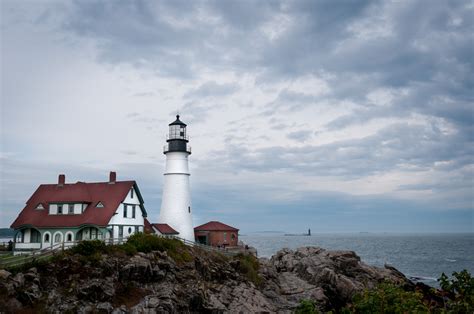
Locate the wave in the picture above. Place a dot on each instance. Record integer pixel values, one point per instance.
(450, 260)
(422, 278)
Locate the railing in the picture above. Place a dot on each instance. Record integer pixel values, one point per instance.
(166, 148)
(38, 255)
(177, 137)
(205, 247)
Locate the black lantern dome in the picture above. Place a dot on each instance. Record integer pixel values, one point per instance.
(177, 138)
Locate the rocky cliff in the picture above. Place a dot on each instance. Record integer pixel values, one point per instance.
(201, 282)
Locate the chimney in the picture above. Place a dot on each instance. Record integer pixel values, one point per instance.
(112, 177)
(61, 180)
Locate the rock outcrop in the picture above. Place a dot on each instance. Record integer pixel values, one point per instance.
(154, 282)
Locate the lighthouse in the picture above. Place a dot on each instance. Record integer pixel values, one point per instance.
(176, 208)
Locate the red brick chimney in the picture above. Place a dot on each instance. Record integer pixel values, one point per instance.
(112, 177)
(61, 180)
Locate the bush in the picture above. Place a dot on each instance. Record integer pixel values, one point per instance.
(88, 248)
(306, 307)
(388, 298)
(147, 243)
(458, 292)
(249, 266)
(128, 248)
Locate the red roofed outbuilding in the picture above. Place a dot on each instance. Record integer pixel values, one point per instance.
(164, 229)
(216, 233)
(66, 212)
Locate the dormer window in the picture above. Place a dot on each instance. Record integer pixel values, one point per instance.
(39, 206)
(99, 205)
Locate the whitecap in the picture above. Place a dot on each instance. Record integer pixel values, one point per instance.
(450, 260)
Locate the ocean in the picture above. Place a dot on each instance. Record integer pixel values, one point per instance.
(422, 257)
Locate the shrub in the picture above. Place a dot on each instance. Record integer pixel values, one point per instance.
(388, 298)
(128, 248)
(306, 307)
(88, 248)
(248, 266)
(458, 292)
(147, 243)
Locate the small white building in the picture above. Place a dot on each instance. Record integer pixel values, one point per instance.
(67, 212)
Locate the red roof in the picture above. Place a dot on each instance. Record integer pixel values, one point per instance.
(215, 226)
(165, 229)
(110, 195)
(147, 226)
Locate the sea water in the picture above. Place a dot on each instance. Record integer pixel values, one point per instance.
(423, 257)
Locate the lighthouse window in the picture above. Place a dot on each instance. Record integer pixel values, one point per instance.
(189, 209)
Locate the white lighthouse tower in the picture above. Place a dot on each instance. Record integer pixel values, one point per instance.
(176, 202)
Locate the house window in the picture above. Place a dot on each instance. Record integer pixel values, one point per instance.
(225, 236)
(69, 237)
(60, 209)
(124, 210)
(70, 209)
(40, 206)
(131, 192)
(35, 236)
(189, 209)
(99, 205)
(136, 229)
(120, 231)
(93, 233)
(57, 238)
(129, 230)
(133, 211)
(232, 236)
(46, 237)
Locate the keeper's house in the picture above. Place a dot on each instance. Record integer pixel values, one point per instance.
(66, 212)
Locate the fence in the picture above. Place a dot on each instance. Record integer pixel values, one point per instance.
(38, 255)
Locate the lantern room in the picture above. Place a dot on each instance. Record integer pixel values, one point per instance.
(177, 138)
(177, 130)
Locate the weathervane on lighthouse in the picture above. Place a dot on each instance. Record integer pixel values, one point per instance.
(176, 201)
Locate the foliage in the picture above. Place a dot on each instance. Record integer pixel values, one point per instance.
(127, 248)
(147, 243)
(459, 292)
(306, 307)
(388, 298)
(249, 266)
(89, 248)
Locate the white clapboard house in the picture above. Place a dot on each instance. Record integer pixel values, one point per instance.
(67, 212)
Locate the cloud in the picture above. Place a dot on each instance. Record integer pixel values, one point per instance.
(300, 136)
(292, 106)
(212, 89)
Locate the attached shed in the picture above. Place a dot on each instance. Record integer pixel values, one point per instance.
(215, 233)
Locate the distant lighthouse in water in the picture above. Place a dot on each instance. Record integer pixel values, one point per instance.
(176, 201)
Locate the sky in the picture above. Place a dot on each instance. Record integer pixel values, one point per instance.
(339, 116)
